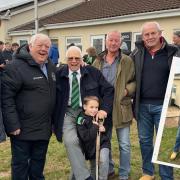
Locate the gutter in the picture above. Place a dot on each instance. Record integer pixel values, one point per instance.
(117, 19)
(109, 20)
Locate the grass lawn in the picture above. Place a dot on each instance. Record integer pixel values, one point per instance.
(167, 144)
(57, 165)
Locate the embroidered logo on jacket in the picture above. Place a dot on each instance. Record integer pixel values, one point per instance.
(80, 120)
(53, 76)
(39, 77)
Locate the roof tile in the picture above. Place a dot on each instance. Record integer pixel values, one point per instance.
(97, 9)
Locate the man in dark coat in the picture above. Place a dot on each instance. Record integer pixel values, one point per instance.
(28, 98)
(152, 58)
(91, 82)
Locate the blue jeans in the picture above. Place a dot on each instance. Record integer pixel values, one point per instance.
(149, 117)
(177, 144)
(111, 162)
(123, 136)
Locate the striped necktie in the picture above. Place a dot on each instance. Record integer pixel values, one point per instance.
(75, 92)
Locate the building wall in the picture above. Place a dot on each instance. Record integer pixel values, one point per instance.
(168, 25)
(27, 16)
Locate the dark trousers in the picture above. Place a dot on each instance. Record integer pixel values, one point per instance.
(28, 159)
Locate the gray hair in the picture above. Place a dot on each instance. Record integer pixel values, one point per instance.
(115, 31)
(151, 22)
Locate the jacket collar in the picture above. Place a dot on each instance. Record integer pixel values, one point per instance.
(104, 53)
(171, 49)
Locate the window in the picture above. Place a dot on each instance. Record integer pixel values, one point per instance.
(98, 42)
(24, 41)
(136, 37)
(126, 41)
(73, 40)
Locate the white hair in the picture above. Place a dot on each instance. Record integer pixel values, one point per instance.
(73, 48)
(151, 23)
(38, 36)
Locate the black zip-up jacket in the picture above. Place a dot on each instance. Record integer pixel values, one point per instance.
(28, 97)
(92, 83)
(87, 133)
(138, 56)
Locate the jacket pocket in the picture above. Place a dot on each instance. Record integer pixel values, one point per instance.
(126, 109)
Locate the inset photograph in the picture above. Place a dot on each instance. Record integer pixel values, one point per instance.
(167, 145)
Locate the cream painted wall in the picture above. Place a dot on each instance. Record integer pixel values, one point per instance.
(44, 10)
(28, 15)
(167, 24)
(2, 31)
(24, 37)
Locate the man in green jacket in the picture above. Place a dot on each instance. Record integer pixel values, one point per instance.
(118, 70)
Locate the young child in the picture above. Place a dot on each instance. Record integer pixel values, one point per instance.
(87, 129)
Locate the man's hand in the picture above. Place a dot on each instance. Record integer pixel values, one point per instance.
(125, 92)
(102, 128)
(16, 132)
(101, 115)
(2, 65)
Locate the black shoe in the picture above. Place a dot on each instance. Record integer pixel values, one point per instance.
(89, 178)
(111, 174)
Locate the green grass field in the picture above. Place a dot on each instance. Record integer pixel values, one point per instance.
(57, 165)
(167, 144)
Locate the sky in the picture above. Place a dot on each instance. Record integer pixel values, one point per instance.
(6, 3)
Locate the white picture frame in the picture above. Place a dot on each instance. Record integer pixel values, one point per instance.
(175, 70)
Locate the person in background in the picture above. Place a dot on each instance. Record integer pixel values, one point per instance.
(87, 129)
(14, 47)
(28, 98)
(1, 46)
(176, 38)
(90, 56)
(75, 82)
(118, 70)
(2, 60)
(152, 57)
(176, 41)
(54, 54)
(7, 52)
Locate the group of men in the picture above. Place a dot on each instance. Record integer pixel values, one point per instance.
(6, 52)
(36, 99)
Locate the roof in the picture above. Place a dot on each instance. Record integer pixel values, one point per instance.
(15, 5)
(98, 9)
(11, 3)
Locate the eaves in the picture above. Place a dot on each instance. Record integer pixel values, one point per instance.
(109, 20)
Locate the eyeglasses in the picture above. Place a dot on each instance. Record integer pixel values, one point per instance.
(76, 58)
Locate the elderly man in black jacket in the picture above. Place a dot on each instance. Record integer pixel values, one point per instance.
(28, 98)
(90, 83)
